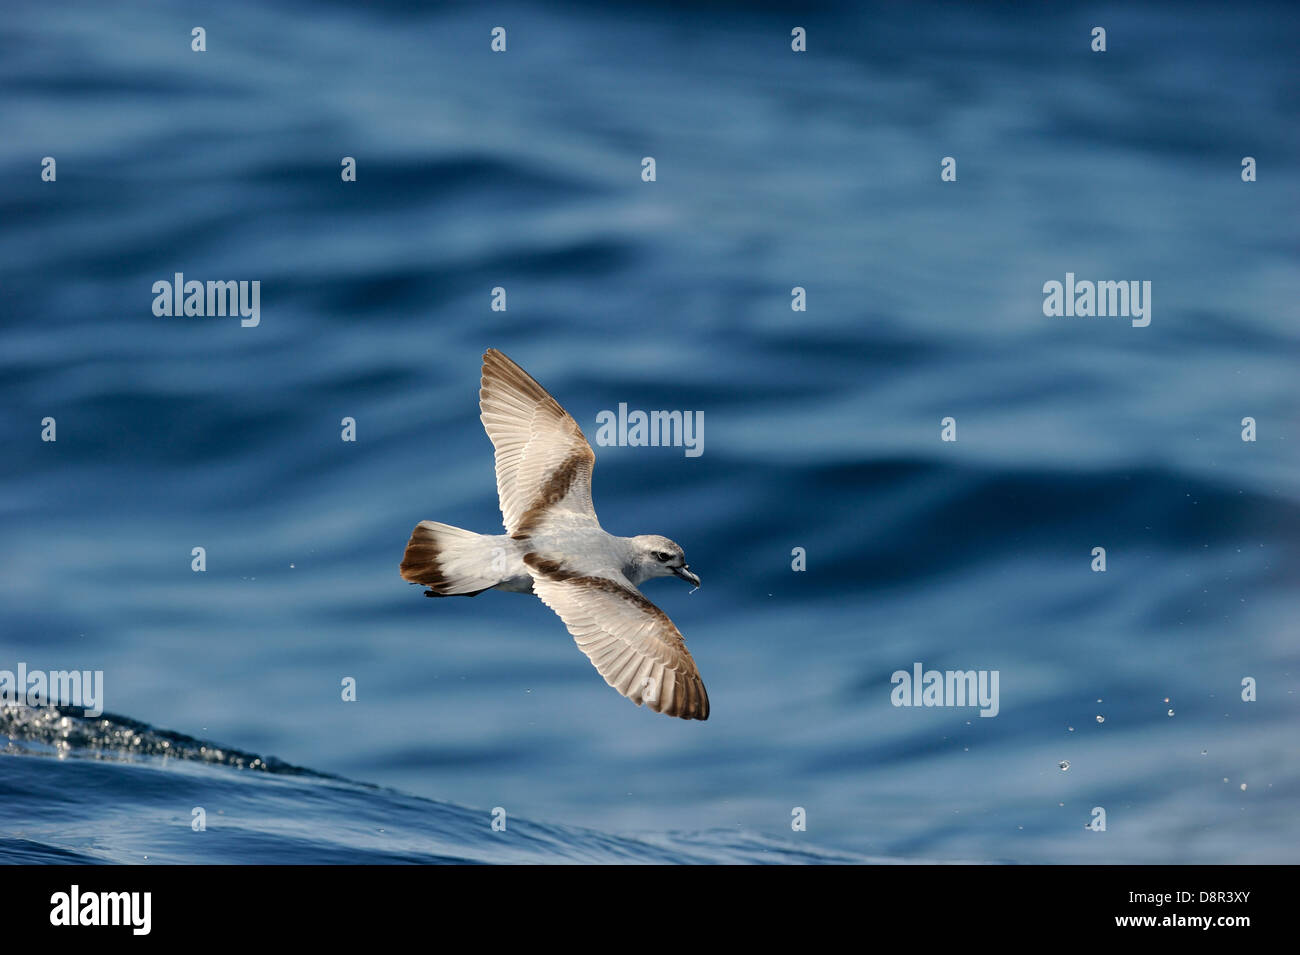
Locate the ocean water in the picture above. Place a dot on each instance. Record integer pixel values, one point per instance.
(522, 170)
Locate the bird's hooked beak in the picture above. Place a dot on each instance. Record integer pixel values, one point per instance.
(684, 572)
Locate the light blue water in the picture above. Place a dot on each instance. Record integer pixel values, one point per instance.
(522, 170)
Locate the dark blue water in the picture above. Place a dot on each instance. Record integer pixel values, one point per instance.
(774, 170)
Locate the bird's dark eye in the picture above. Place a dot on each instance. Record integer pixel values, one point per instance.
(661, 556)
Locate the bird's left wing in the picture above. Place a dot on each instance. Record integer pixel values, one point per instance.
(543, 460)
(629, 640)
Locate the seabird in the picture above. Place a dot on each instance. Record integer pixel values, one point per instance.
(555, 548)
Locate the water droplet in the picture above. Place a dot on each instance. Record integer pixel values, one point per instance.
(1064, 764)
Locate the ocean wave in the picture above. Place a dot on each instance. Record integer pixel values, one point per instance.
(110, 789)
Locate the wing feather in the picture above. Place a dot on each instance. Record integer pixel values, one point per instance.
(629, 640)
(543, 460)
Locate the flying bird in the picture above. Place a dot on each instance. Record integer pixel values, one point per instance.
(555, 548)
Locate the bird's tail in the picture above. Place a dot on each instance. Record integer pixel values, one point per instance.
(450, 561)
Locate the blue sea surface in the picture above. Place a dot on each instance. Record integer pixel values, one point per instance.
(774, 170)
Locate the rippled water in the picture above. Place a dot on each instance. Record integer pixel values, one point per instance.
(775, 170)
(141, 778)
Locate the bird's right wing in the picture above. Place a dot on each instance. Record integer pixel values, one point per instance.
(543, 460)
(629, 640)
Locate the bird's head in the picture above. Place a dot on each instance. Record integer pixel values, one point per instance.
(655, 556)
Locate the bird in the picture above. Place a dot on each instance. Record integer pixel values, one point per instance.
(555, 548)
